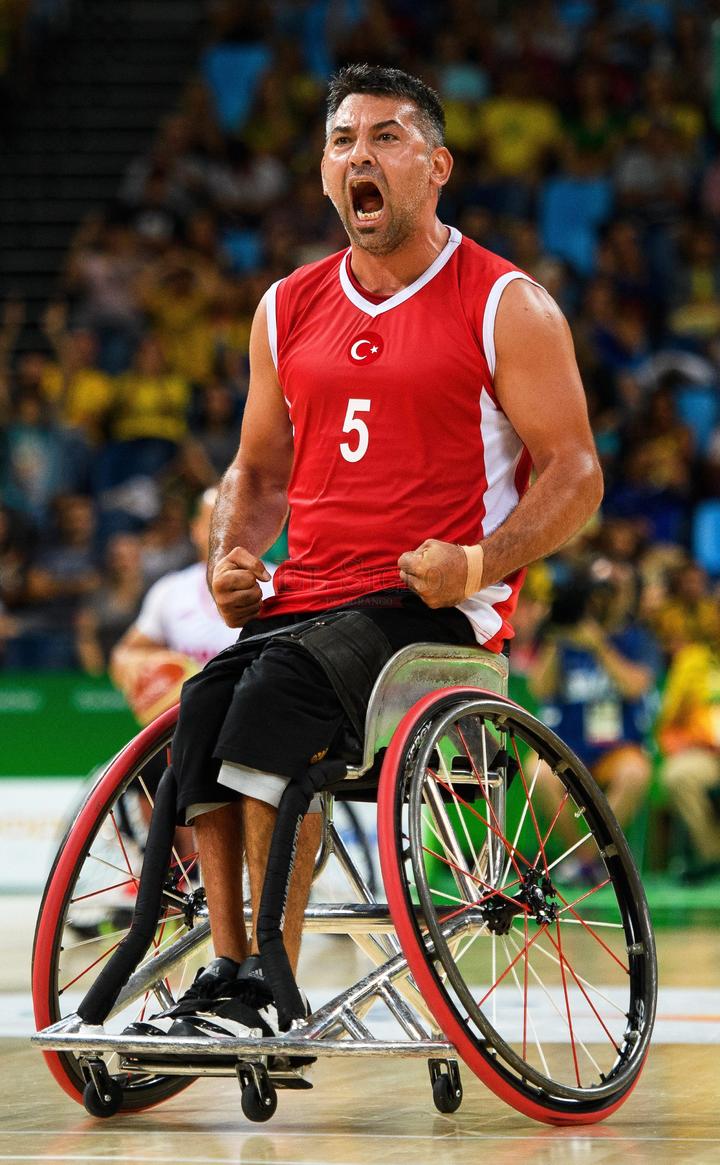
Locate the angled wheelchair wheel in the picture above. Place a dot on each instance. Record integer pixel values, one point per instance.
(87, 907)
(518, 905)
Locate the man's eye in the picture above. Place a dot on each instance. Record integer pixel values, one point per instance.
(388, 137)
(341, 141)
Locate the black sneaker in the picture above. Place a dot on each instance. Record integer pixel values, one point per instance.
(210, 983)
(245, 1009)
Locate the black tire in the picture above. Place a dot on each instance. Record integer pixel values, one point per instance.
(106, 1105)
(256, 1108)
(453, 757)
(446, 1098)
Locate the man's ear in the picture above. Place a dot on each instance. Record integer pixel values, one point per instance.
(442, 164)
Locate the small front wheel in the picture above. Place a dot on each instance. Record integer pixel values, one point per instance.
(446, 1097)
(257, 1106)
(105, 1103)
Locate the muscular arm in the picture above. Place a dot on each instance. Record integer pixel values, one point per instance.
(538, 385)
(252, 499)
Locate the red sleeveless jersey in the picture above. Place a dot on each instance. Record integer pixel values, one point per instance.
(398, 436)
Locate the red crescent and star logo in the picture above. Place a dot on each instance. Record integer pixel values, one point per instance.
(366, 348)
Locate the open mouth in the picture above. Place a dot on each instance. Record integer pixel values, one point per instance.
(367, 200)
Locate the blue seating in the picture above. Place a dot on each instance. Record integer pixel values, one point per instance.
(233, 72)
(698, 405)
(706, 536)
(571, 211)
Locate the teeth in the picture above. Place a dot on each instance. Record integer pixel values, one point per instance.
(367, 215)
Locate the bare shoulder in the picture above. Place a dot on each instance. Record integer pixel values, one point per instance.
(529, 310)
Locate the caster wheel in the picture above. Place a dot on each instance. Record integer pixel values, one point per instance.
(107, 1104)
(255, 1106)
(446, 1097)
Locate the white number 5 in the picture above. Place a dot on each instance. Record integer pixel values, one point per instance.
(354, 424)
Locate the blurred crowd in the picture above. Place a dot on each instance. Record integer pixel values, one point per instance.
(585, 137)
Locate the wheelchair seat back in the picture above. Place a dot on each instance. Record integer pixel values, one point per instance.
(416, 671)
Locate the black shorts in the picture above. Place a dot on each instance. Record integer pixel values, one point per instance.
(267, 706)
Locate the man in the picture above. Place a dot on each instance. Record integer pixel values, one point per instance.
(400, 393)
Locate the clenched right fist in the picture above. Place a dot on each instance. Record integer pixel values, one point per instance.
(235, 586)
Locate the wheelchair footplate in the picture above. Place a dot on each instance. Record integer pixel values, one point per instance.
(265, 1065)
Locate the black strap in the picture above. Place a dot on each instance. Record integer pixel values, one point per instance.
(352, 652)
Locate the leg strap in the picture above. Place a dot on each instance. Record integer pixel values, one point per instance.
(281, 863)
(99, 1001)
(352, 651)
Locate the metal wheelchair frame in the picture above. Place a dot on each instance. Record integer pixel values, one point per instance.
(341, 1027)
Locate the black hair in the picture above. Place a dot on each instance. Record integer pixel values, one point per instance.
(382, 81)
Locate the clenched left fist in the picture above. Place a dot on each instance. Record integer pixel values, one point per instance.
(436, 571)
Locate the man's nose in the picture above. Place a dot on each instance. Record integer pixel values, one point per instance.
(362, 154)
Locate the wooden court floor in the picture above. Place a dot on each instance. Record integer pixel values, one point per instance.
(367, 1112)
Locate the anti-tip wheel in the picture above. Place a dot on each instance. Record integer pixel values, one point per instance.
(107, 1104)
(446, 1097)
(256, 1107)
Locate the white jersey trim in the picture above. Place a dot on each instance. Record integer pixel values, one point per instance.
(491, 307)
(479, 609)
(502, 452)
(271, 308)
(377, 309)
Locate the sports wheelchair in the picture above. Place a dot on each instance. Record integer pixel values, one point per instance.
(515, 936)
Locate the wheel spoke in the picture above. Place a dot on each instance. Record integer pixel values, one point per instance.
(104, 955)
(521, 822)
(529, 802)
(527, 1015)
(483, 783)
(564, 960)
(555, 1007)
(485, 822)
(122, 847)
(492, 892)
(95, 939)
(567, 1002)
(471, 848)
(586, 982)
(103, 890)
(507, 970)
(590, 930)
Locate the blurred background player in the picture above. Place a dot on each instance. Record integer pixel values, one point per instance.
(177, 630)
(593, 676)
(689, 736)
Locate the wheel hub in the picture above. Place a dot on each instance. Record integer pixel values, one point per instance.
(536, 898)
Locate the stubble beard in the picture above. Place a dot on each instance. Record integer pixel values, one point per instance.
(400, 226)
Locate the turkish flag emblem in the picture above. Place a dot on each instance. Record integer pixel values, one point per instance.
(366, 348)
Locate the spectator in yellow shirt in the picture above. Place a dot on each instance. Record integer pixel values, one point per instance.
(80, 392)
(689, 736)
(151, 401)
(147, 425)
(519, 129)
(177, 295)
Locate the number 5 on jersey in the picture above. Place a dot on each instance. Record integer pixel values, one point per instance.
(355, 424)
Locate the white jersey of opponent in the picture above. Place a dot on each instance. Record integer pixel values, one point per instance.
(178, 612)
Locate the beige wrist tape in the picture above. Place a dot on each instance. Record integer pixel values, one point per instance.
(475, 556)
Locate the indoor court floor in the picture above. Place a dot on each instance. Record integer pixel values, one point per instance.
(364, 1112)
